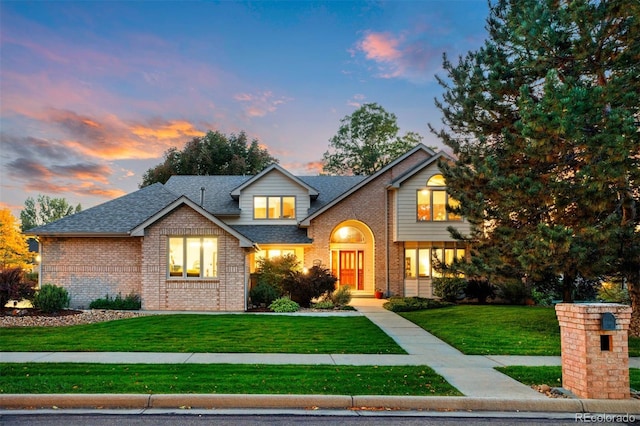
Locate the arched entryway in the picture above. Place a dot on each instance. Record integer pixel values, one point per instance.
(352, 256)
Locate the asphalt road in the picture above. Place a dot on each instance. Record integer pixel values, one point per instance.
(414, 419)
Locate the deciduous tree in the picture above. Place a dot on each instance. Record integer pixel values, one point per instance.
(14, 251)
(366, 141)
(212, 154)
(45, 210)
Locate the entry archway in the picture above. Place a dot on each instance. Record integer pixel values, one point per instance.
(352, 256)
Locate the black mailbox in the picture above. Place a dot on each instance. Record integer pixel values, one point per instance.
(608, 321)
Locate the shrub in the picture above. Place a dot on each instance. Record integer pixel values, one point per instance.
(51, 298)
(274, 271)
(613, 293)
(449, 288)
(408, 304)
(263, 293)
(513, 292)
(284, 304)
(303, 287)
(480, 289)
(14, 286)
(130, 303)
(324, 304)
(342, 296)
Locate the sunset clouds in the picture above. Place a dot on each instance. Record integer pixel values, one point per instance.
(92, 94)
(399, 55)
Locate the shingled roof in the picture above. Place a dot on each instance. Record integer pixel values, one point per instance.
(115, 217)
(274, 234)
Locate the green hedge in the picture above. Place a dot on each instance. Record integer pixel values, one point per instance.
(407, 304)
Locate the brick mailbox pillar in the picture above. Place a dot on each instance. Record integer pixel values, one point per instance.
(595, 349)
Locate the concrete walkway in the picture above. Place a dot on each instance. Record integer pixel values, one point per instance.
(473, 375)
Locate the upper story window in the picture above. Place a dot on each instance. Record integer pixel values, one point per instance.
(193, 257)
(274, 207)
(433, 199)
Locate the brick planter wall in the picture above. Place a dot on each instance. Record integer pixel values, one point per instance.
(595, 362)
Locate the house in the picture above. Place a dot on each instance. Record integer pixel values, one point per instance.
(192, 243)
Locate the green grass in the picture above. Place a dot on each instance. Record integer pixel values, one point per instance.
(208, 333)
(552, 376)
(497, 329)
(222, 379)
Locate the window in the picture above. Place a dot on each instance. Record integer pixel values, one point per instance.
(273, 253)
(348, 234)
(410, 263)
(446, 255)
(193, 257)
(432, 202)
(274, 207)
(424, 260)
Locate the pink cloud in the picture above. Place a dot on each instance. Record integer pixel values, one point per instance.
(407, 56)
(380, 47)
(260, 104)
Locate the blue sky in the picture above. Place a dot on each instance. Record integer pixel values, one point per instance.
(93, 93)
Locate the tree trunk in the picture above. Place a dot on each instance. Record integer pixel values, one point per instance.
(634, 295)
(567, 287)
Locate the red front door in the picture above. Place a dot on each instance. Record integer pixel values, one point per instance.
(351, 273)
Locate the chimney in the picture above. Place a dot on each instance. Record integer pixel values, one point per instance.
(201, 196)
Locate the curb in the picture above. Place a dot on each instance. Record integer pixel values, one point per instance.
(357, 402)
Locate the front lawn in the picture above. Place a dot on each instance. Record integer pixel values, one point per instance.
(552, 376)
(223, 379)
(497, 329)
(208, 334)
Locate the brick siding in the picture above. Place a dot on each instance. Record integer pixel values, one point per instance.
(91, 268)
(367, 205)
(587, 370)
(224, 293)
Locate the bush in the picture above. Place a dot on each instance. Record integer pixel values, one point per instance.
(130, 303)
(408, 304)
(14, 286)
(51, 298)
(263, 293)
(317, 282)
(342, 296)
(324, 304)
(450, 289)
(274, 271)
(513, 292)
(480, 289)
(284, 304)
(613, 293)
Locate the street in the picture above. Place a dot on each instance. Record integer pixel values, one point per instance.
(203, 417)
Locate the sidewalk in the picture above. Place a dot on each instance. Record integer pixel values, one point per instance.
(473, 375)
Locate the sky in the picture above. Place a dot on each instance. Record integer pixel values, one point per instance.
(93, 93)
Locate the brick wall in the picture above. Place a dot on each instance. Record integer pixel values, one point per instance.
(224, 293)
(91, 268)
(587, 370)
(367, 205)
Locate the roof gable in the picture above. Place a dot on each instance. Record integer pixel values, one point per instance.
(420, 147)
(138, 231)
(418, 168)
(235, 193)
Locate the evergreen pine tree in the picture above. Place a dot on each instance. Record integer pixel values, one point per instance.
(544, 121)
